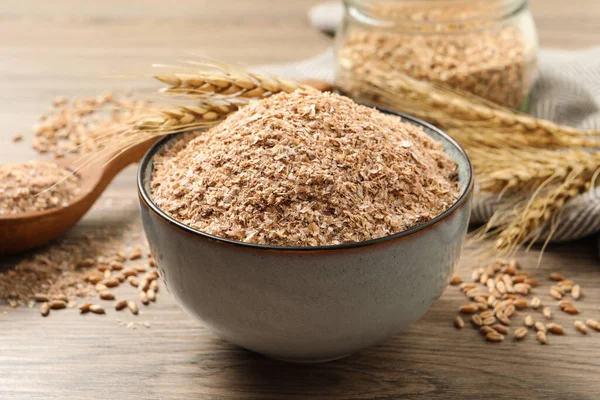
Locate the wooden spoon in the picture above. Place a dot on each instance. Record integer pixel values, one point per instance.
(25, 231)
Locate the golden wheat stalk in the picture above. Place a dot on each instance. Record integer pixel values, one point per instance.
(447, 108)
(516, 227)
(500, 171)
(209, 82)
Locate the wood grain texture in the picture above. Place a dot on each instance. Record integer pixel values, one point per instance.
(69, 47)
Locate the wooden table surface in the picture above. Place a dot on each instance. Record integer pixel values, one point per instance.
(69, 47)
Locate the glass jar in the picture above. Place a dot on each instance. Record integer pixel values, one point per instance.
(485, 47)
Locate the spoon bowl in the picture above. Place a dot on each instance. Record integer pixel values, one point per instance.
(28, 230)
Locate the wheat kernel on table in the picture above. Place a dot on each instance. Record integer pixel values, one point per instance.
(97, 309)
(133, 307)
(121, 304)
(555, 329)
(520, 333)
(541, 337)
(580, 326)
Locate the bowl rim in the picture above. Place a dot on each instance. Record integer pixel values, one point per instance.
(156, 147)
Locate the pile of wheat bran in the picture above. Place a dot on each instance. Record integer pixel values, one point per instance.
(305, 169)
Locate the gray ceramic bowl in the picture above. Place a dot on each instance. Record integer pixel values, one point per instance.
(308, 304)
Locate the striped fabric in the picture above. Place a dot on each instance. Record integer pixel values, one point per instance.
(567, 91)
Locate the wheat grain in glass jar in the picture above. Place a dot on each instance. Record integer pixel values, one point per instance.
(485, 47)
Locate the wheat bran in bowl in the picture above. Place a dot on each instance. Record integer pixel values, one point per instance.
(305, 169)
(36, 186)
(316, 167)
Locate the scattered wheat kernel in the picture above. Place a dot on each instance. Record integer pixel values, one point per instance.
(106, 295)
(571, 310)
(520, 333)
(555, 276)
(41, 298)
(45, 309)
(576, 292)
(536, 303)
(502, 318)
(528, 321)
(133, 281)
(540, 326)
(521, 304)
(489, 321)
(121, 304)
(57, 304)
(120, 277)
(107, 274)
(484, 330)
(522, 288)
(111, 282)
(509, 310)
(154, 286)
(494, 337)
(491, 300)
(565, 303)
(94, 278)
(500, 329)
(103, 268)
(128, 272)
(501, 287)
(61, 297)
(71, 304)
(151, 295)
(486, 314)
(581, 327)
(133, 307)
(483, 278)
(100, 287)
(467, 308)
(458, 322)
(559, 289)
(482, 305)
(475, 275)
(476, 320)
(146, 324)
(518, 279)
(546, 312)
(97, 309)
(116, 266)
(531, 282)
(85, 307)
(592, 323)
(135, 254)
(144, 285)
(121, 256)
(541, 337)
(144, 298)
(555, 328)
(141, 268)
(455, 280)
(555, 294)
(17, 138)
(131, 325)
(152, 262)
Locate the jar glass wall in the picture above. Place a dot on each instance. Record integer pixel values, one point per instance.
(485, 47)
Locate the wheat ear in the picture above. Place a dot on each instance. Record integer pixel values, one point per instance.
(447, 108)
(210, 82)
(501, 171)
(532, 216)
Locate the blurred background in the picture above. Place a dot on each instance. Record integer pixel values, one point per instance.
(70, 47)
